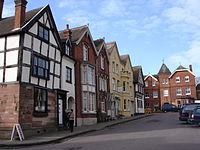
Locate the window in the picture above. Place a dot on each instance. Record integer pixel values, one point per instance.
(153, 83)
(166, 81)
(85, 52)
(40, 67)
(40, 100)
(67, 49)
(136, 88)
(155, 94)
(125, 104)
(187, 91)
(88, 76)
(177, 79)
(113, 84)
(163, 81)
(124, 86)
(43, 32)
(146, 94)
(89, 104)
(113, 66)
(139, 103)
(117, 68)
(178, 91)
(102, 106)
(102, 62)
(68, 75)
(187, 79)
(146, 83)
(165, 92)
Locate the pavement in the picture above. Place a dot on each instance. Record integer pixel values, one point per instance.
(59, 136)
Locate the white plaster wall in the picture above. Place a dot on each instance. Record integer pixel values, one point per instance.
(48, 25)
(57, 69)
(36, 45)
(56, 82)
(12, 58)
(51, 52)
(45, 17)
(57, 55)
(42, 82)
(13, 41)
(50, 82)
(44, 49)
(34, 80)
(51, 66)
(52, 39)
(65, 85)
(34, 29)
(26, 57)
(1, 75)
(11, 74)
(41, 20)
(25, 74)
(27, 40)
(2, 44)
(1, 59)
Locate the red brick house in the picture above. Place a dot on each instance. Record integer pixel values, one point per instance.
(85, 54)
(102, 69)
(152, 92)
(182, 86)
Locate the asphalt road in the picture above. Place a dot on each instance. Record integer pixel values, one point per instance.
(158, 132)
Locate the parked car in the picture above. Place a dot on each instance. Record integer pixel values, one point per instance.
(184, 112)
(169, 107)
(194, 116)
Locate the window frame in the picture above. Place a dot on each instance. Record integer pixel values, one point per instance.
(70, 71)
(46, 60)
(178, 91)
(45, 28)
(85, 52)
(40, 113)
(165, 94)
(187, 79)
(177, 81)
(186, 91)
(102, 62)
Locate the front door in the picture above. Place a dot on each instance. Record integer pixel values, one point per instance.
(61, 103)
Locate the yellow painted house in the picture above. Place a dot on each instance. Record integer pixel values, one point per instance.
(127, 102)
(121, 100)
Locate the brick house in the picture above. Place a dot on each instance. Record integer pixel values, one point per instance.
(30, 71)
(84, 52)
(102, 69)
(198, 91)
(176, 88)
(152, 92)
(182, 86)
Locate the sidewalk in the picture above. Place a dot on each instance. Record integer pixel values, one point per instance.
(59, 136)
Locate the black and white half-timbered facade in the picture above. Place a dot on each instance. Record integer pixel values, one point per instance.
(138, 80)
(30, 71)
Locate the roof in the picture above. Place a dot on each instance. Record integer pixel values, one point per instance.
(180, 67)
(7, 24)
(164, 70)
(110, 46)
(98, 43)
(124, 58)
(136, 70)
(155, 77)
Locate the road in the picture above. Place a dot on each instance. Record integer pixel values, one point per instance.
(162, 131)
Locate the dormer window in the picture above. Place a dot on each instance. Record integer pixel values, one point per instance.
(102, 63)
(153, 83)
(43, 32)
(67, 49)
(187, 78)
(85, 52)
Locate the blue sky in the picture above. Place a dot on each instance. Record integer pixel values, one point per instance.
(148, 30)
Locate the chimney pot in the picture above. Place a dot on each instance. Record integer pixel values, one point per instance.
(190, 67)
(20, 13)
(67, 32)
(1, 8)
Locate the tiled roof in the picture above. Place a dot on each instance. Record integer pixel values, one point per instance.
(98, 44)
(180, 67)
(7, 24)
(164, 70)
(124, 58)
(136, 70)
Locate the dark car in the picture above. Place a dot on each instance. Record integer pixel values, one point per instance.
(184, 112)
(169, 107)
(194, 116)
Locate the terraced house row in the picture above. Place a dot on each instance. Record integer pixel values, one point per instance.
(44, 71)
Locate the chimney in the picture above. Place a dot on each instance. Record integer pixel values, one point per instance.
(20, 12)
(1, 8)
(67, 32)
(190, 67)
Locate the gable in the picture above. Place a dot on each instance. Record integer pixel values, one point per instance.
(44, 17)
(183, 70)
(140, 77)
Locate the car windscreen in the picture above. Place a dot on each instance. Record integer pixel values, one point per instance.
(189, 108)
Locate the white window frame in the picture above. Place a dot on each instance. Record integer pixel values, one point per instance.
(102, 62)
(155, 95)
(178, 91)
(187, 79)
(146, 84)
(113, 84)
(153, 83)
(187, 91)
(177, 79)
(85, 52)
(165, 93)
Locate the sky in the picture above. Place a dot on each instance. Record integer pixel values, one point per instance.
(150, 31)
